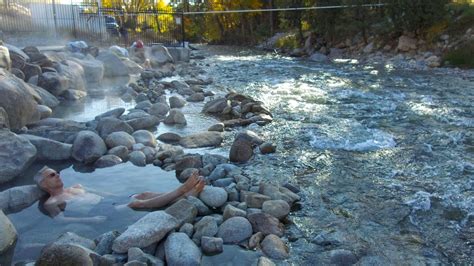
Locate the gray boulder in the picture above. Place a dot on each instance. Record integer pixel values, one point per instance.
(16, 154)
(53, 82)
(115, 113)
(144, 137)
(274, 247)
(5, 61)
(183, 210)
(196, 97)
(65, 254)
(144, 122)
(277, 208)
(181, 250)
(219, 127)
(113, 65)
(235, 230)
(216, 106)
(159, 55)
(176, 102)
(93, 69)
(138, 158)
(146, 231)
(241, 151)
(175, 116)
(202, 139)
(212, 245)
(265, 223)
(213, 196)
(88, 147)
(108, 125)
(159, 109)
(46, 98)
(105, 242)
(207, 226)
(20, 197)
(119, 138)
(119, 151)
(72, 238)
(18, 99)
(48, 149)
(8, 237)
(319, 57)
(169, 137)
(107, 161)
(44, 111)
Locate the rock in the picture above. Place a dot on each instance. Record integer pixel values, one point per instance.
(318, 57)
(206, 227)
(186, 173)
(187, 161)
(72, 238)
(169, 137)
(49, 150)
(74, 95)
(231, 211)
(145, 122)
(88, 147)
(20, 197)
(8, 237)
(144, 137)
(223, 182)
(274, 247)
(213, 196)
(250, 136)
(114, 113)
(18, 99)
(212, 245)
(277, 192)
(369, 48)
(105, 242)
(188, 229)
(46, 98)
(119, 138)
(196, 97)
(241, 151)
(183, 210)
(202, 139)
(433, 61)
(5, 61)
(406, 44)
(266, 148)
(180, 250)
(137, 255)
(146, 231)
(342, 257)
(66, 254)
(264, 261)
(254, 200)
(138, 158)
(175, 116)
(277, 208)
(235, 230)
(113, 65)
(109, 125)
(265, 223)
(216, 106)
(143, 104)
(53, 82)
(119, 151)
(255, 240)
(18, 73)
(93, 69)
(159, 109)
(219, 127)
(107, 161)
(200, 206)
(44, 111)
(176, 102)
(159, 55)
(16, 154)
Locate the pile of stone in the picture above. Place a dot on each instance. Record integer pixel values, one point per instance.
(233, 211)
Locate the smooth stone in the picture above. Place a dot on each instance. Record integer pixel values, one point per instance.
(241, 151)
(143, 105)
(207, 226)
(213, 196)
(48, 149)
(342, 257)
(72, 238)
(44, 111)
(176, 102)
(219, 127)
(16, 154)
(223, 182)
(254, 200)
(107, 161)
(216, 106)
(196, 97)
(264, 261)
(188, 229)
(181, 250)
(146, 231)
(137, 255)
(274, 247)
(105, 242)
(20, 197)
(277, 208)
(169, 137)
(119, 138)
(186, 173)
(202, 139)
(65, 254)
(119, 151)
(175, 116)
(115, 113)
(183, 210)
(8, 235)
(255, 240)
(212, 245)
(88, 147)
(186, 162)
(145, 122)
(231, 211)
(235, 230)
(144, 137)
(159, 109)
(266, 148)
(138, 158)
(200, 206)
(265, 223)
(149, 154)
(109, 125)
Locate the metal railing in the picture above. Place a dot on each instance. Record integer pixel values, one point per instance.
(90, 23)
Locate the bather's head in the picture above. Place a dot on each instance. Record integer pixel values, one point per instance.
(49, 180)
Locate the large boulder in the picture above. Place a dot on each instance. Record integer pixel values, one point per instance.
(48, 149)
(46, 98)
(20, 197)
(93, 68)
(213, 196)
(18, 99)
(119, 138)
(53, 82)
(202, 139)
(74, 73)
(146, 231)
(4, 122)
(235, 230)
(144, 137)
(5, 61)
(16, 154)
(113, 65)
(181, 250)
(65, 254)
(88, 147)
(8, 238)
(406, 44)
(108, 125)
(158, 55)
(175, 116)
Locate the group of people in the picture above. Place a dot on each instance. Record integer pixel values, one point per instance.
(59, 197)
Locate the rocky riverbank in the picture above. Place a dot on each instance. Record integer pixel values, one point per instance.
(233, 209)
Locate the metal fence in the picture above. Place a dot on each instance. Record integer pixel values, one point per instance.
(90, 23)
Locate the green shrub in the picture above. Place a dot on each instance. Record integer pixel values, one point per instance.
(463, 56)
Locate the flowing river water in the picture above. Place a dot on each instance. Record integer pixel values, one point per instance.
(383, 158)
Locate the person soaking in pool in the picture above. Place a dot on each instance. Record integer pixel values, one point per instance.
(77, 199)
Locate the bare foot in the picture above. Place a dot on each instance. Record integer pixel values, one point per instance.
(145, 195)
(189, 184)
(196, 189)
(136, 204)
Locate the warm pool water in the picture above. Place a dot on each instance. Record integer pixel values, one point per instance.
(114, 184)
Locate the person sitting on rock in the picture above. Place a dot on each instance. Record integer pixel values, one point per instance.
(148, 200)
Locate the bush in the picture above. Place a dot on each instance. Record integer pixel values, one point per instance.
(463, 56)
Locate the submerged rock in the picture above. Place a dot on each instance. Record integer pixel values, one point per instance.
(107, 161)
(48, 149)
(20, 197)
(8, 238)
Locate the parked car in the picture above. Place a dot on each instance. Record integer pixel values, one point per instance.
(111, 26)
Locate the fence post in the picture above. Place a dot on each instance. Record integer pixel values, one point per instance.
(73, 20)
(182, 28)
(55, 19)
